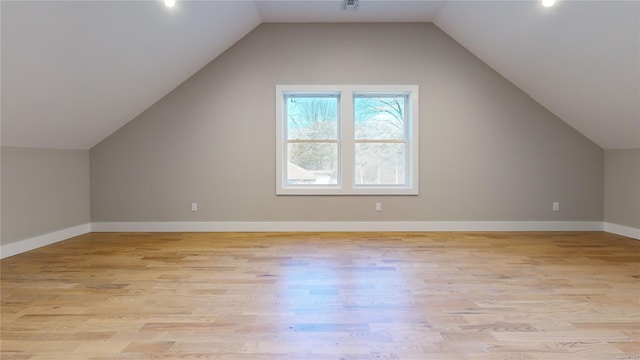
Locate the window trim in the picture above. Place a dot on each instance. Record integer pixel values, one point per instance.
(346, 140)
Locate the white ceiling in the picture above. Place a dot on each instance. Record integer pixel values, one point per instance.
(74, 72)
(579, 59)
(333, 11)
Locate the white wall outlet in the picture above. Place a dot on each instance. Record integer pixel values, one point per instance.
(194, 206)
(556, 206)
(378, 206)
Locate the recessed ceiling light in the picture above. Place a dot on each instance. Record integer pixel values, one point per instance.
(169, 3)
(548, 3)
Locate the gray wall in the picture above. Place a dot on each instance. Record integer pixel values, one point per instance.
(622, 187)
(488, 152)
(43, 191)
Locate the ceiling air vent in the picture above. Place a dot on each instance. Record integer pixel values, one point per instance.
(351, 4)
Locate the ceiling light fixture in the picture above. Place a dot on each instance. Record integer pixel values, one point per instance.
(548, 3)
(351, 3)
(169, 3)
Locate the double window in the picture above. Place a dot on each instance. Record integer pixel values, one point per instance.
(347, 140)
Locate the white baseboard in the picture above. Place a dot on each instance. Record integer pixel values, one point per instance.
(42, 240)
(315, 226)
(627, 231)
(242, 226)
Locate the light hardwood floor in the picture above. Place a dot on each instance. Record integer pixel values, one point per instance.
(347, 296)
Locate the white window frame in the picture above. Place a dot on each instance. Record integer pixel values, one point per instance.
(346, 142)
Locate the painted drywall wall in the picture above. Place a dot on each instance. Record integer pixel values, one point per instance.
(622, 187)
(488, 152)
(43, 191)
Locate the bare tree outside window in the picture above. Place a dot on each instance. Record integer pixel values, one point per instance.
(347, 139)
(380, 140)
(312, 135)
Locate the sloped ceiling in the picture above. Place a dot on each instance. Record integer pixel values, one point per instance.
(579, 59)
(74, 72)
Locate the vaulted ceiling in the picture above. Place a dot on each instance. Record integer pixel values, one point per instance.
(73, 72)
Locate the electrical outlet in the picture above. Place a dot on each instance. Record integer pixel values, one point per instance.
(556, 206)
(378, 206)
(194, 206)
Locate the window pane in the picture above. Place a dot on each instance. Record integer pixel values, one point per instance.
(380, 164)
(312, 163)
(312, 118)
(379, 118)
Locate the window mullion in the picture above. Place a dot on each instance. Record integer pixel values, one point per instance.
(305, 141)
(347, 136)
(384, 141)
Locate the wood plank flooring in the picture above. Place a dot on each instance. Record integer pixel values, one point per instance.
(340, 296)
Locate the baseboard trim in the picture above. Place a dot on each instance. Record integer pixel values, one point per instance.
(243, 226)
(25, 245)
(627, 231)
(311, 226)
